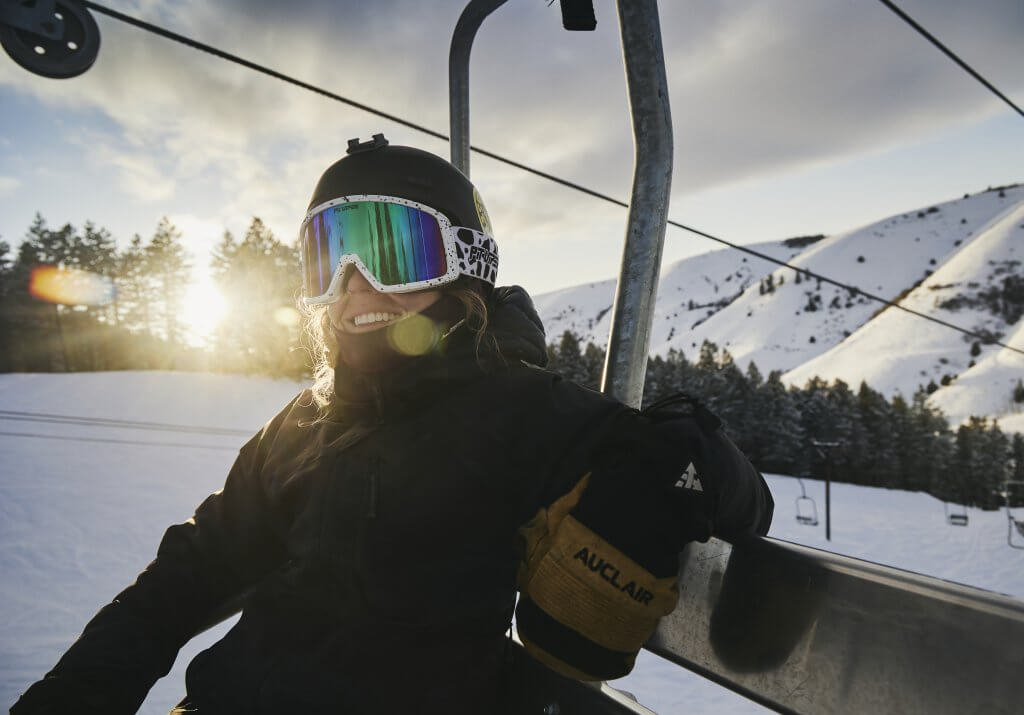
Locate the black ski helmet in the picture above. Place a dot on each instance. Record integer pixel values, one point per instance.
(377, 167)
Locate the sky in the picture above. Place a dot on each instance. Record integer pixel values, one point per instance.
(789, 118)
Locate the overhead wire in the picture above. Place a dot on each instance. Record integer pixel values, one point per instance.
(949, 53)
(117, 441)
(50, 418)
(110, 423)
(176, 37)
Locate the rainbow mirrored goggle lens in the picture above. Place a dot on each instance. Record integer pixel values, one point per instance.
(399, 246)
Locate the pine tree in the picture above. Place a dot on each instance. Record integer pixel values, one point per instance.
(875, 459)
(816, 421)
(1018, 392)
(704, 381)
(735, 399)
(656, 377)
(570, 359)
(754, 376)
(1017, 467)
(593, 364)
(678, 373)
(779, 434)
(994, 466)
(36, 316)
(135, 289)
(93, 258)
(929, 459)
(167, 265)
(982, 459)
(259, 279)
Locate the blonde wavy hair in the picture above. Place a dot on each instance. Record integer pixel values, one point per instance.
(317, 338)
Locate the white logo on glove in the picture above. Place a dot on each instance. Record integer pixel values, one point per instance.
(690, 480)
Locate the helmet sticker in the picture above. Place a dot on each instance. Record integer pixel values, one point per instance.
(481, 213)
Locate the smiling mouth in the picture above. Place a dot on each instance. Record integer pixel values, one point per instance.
(378, 318)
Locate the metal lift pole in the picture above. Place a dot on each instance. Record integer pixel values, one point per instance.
(629, 341)
(826, 449)
(470, 20)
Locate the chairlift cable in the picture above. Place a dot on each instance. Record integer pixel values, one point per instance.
(949, 53)
(988, 340)
(117, 441)
(45, 417)
(149, 27)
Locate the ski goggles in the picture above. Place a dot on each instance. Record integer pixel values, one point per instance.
(398, 245)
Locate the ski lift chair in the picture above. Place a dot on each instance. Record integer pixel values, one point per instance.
(955, 518)
(806, 509)
(1014, 525)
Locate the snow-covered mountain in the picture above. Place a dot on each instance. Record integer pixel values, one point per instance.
(900, 351)
(987, 388)
(689, 292)
(960, 261)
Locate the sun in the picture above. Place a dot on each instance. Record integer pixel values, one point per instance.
(202, 310)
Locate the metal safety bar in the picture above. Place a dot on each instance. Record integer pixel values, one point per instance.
(796, 629)
(469, 22)
(633, 310)
(808, 631)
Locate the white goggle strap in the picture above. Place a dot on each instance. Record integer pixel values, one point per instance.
(477, 254)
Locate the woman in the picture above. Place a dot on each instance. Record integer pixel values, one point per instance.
(377, 529)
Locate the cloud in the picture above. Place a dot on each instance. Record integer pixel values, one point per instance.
(8, 184)
(758, 88)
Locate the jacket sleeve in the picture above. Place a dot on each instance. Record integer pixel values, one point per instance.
(600, 562)
(229, 544)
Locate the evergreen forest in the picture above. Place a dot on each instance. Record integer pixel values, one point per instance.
(72, 300)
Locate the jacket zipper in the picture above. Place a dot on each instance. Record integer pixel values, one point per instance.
(378, 407)
(371, 511)
(364, 524)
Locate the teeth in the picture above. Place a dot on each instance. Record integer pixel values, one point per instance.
(369, 318)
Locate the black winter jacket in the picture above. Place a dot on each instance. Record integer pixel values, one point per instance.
(381, 576)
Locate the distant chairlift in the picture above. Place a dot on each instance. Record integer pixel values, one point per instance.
(955, 517)
(1014, 526)
(806, 509)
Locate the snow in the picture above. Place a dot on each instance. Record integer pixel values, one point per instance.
(705, 279)
(79, 519)
(987, 388)
(930, 254)
(897, 352)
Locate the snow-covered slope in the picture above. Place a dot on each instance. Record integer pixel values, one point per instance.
(689, 291)
(774, 326)
(987, 388)
(794, 323)
(946, 260)
(898, 351)
(83, 506)
(228, 401)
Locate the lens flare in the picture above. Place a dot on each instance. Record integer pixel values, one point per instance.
(413, 335)
(70, 286)
(288, 317)
(202, 310)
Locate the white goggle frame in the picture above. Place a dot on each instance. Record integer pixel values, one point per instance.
(468, 252)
